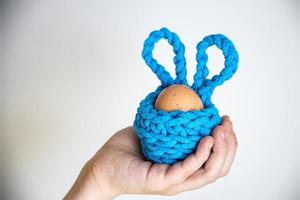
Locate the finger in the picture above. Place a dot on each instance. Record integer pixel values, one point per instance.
(226, 122)
(154, 177)
(232, 147)
(160, 176)
(228, 126)
(217, 159)
(179, 171)
(213, 165)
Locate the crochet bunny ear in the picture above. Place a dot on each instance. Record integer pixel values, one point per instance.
(203, 86)
(179, 59)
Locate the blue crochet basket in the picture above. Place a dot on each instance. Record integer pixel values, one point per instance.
(167, 137)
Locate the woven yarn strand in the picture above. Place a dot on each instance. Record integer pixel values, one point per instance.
(179, 59)
(203, 86)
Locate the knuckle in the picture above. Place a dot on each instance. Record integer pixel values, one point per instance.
(221, 129)
(217, 130)
(212, 178)
(224, 173)
(236, 143)
(235, 139)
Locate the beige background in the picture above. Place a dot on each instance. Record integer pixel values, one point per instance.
(72, 75)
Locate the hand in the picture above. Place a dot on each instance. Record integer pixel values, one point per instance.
(119, 167)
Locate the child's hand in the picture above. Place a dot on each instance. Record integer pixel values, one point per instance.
(119, 167)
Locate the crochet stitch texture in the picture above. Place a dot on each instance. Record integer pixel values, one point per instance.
(167, 137)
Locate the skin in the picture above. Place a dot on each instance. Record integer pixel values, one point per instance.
(120, 168)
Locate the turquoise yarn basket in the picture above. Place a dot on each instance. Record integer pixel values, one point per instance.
(167, 137)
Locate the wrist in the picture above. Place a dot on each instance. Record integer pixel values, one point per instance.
(87, 187)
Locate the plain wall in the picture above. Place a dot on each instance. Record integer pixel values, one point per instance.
(72, 75)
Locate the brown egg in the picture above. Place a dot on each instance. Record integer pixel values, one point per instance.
(178, 97)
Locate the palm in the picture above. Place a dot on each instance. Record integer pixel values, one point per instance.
(127, 170)
(123, 154)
